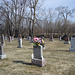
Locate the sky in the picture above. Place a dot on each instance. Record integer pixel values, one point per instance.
(52, 4)
(56, 3)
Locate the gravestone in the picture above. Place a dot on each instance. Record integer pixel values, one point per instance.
(51, 37)
(24, 37)
(66, 41)
(37, 56)
(5, 38)
(72, 44)
(20, 42)
(28, 38)
(31, 41)
(2, 40)
(12, 37)
(2, 55)
(9, 38)
(60, 38)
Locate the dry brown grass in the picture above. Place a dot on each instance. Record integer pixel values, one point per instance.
(59, 61)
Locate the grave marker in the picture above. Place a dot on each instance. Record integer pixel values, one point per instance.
(37, 56)
(72, 44)
(2, 55)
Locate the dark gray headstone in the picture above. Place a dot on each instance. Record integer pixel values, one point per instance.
(38, 52)
(37, 56)
(72, 44)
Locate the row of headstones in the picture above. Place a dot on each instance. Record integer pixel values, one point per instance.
(66, 40)
(37, 56)
(2, 39)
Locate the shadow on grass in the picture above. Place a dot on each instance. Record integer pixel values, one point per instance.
(22, 62)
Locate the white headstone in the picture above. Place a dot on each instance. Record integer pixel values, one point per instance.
(20, 43)
(60, 38)
(2, 55)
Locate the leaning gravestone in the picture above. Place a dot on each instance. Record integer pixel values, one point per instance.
(67, 41)
(37, 56)
(72, 44)
(2, 40)
(2, 55)
(51, 38)
(20, 42)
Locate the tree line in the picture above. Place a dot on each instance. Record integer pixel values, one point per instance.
(28, 18)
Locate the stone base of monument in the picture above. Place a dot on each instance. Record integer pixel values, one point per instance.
(72, 49)
(66, 42)
(44, 48)
(3, 56)
(39, 62)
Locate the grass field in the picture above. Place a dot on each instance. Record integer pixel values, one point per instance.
(59, 61)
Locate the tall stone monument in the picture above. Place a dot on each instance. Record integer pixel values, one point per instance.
(20, 42)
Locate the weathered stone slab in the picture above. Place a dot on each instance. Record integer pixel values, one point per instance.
(37, 56)
(72, 44)
(2, 55)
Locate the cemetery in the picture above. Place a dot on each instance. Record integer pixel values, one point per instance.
(37, 37)
(58, 59)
